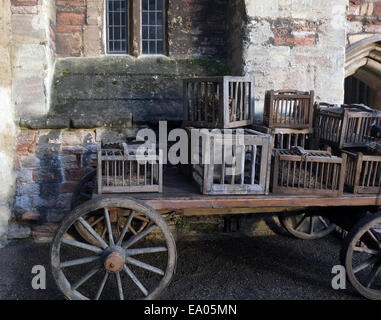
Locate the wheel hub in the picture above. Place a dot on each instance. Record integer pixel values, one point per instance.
(114, 259)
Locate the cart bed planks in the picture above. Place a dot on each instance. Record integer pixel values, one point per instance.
(180, 196)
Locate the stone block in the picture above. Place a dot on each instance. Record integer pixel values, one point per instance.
(27, 29)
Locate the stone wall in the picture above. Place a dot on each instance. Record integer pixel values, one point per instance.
(195, 28)
(296, 44)
(364, 20)
(33, 45)
(7, 128)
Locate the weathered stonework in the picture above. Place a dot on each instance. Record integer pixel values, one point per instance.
(116, 91)
(364, 20)
(295, 45)
(67, 93)
(33, 44)
(7, 128)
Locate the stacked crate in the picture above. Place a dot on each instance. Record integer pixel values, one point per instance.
(123, 169)
(353, 130)
(288, 117)
(225, 103)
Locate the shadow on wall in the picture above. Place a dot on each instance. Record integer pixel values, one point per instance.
(116, 91)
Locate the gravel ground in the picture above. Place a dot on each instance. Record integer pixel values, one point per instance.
(262, 267)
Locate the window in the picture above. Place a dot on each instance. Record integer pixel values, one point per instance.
(152, 26)
(135, 26)
(117, 26)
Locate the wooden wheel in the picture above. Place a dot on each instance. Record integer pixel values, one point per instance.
(307, 226)
(125, 264)
(361, 256)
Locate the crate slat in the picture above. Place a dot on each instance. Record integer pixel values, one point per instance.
(313, 172)
(285, 138)
(250, 168)
(345, 126)
(288, 109)
(121, 170)
(218, 102)
(364, 172)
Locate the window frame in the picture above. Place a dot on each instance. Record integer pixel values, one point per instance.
(128, 29)
(164, 25)
(134, 30)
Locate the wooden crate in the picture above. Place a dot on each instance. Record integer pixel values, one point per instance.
(248, 173)
(218, 102)
(309, 172)
(285, 138)
(120, 169)
(345, 126)
(363, 172)
(288, 109)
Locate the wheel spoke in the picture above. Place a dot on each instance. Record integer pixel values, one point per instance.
(373, 275)
(374, 237)
(97, 221)
(133, 231)
(133, 252)
(139, 236)
(300, 222)
(324, 222)
(108, 224)
(135, 280)
(100, 290)
(141, 218)
(366, 250)
(365, 264)
(311, 225)
(81, 245)
(79, 261)
(93, 233)
(86, 277)
(144, 265)
(125, 228)
(120, 288)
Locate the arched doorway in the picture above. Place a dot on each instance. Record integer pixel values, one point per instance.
(363, 72)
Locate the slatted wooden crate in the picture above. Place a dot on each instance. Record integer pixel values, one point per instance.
(218, 102)
(121, 169)
(288, 109)
(363, 172)
(345, 126)
(311, 172)
(246, 172)
(285, 138)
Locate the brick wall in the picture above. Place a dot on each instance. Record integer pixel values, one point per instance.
(49, 165)
(364, 19)
(71, 19)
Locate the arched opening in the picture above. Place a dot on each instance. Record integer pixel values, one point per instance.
(363, 72)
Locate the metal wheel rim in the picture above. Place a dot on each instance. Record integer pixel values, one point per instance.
(64, 284)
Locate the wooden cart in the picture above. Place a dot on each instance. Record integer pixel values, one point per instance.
(125, 241)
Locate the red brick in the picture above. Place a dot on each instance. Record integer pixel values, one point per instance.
(377, 9)
(70, 18)
(294, 41)
(25, 142)
(68, 187)
(74, 174)
(23, 3)
(68, 29)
